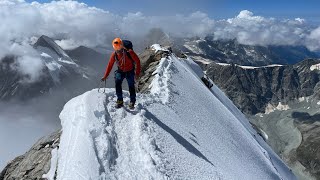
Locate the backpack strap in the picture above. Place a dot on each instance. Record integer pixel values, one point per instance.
(116, 59)
(127, 53)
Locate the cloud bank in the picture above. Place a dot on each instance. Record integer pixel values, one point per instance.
(257, 30)
(313, 40)
(74, 23)
(79, 24)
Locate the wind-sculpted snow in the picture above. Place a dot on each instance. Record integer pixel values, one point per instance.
(111, 144)
(181, 130)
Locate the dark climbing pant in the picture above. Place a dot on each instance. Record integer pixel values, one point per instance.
(119, 76)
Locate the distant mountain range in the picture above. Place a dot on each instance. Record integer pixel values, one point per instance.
(83, 64)
(230, 51)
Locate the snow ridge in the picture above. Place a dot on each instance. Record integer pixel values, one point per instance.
(159, 86)
(115, 144)
(136, 147)
(181, 130)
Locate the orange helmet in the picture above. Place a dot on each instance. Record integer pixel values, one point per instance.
(117, 44)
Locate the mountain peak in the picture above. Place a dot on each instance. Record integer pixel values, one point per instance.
(45, 42)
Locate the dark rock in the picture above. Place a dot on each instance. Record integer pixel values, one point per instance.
(207, 82)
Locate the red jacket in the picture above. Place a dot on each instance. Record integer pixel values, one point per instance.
(124, 63)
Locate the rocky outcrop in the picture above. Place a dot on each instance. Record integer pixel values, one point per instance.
(149, 62)
(34, 163)
(252, 89)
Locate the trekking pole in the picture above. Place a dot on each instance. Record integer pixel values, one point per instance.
(105, 85)
(99, 86)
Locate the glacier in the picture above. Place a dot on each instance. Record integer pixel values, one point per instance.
(180, 130)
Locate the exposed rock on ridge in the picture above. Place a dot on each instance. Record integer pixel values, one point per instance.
(34, 163)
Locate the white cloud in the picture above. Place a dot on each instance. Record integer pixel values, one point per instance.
(258, 30)
(29, 66)
(27, 60)
(78, 24)
(313, 40)
(74, 24)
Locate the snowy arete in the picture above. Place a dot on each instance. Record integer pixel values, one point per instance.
(180, 130)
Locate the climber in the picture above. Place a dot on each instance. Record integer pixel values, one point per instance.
(128, 67)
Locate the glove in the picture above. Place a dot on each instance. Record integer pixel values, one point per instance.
(103, 79)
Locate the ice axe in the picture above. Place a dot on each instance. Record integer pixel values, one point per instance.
(105, 86)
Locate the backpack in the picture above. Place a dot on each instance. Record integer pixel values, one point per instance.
(127, 45)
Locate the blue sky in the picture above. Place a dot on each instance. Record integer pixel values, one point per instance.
(217, 9)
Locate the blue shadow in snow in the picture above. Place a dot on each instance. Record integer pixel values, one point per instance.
(188, 146)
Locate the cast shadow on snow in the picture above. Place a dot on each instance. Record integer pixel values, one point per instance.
(99, 114)
(188, 146)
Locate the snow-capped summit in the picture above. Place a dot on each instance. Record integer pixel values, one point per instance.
(48, 46)
(180, 130)
(56, 59)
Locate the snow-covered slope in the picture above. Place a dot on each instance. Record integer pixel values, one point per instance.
(181, 130)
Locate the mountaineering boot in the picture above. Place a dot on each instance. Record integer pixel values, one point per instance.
(131, 105)
(119, 104)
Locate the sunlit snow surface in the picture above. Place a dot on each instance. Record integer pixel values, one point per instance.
(156, 47)
(182, 130)
(315, 67)
(53, 166)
